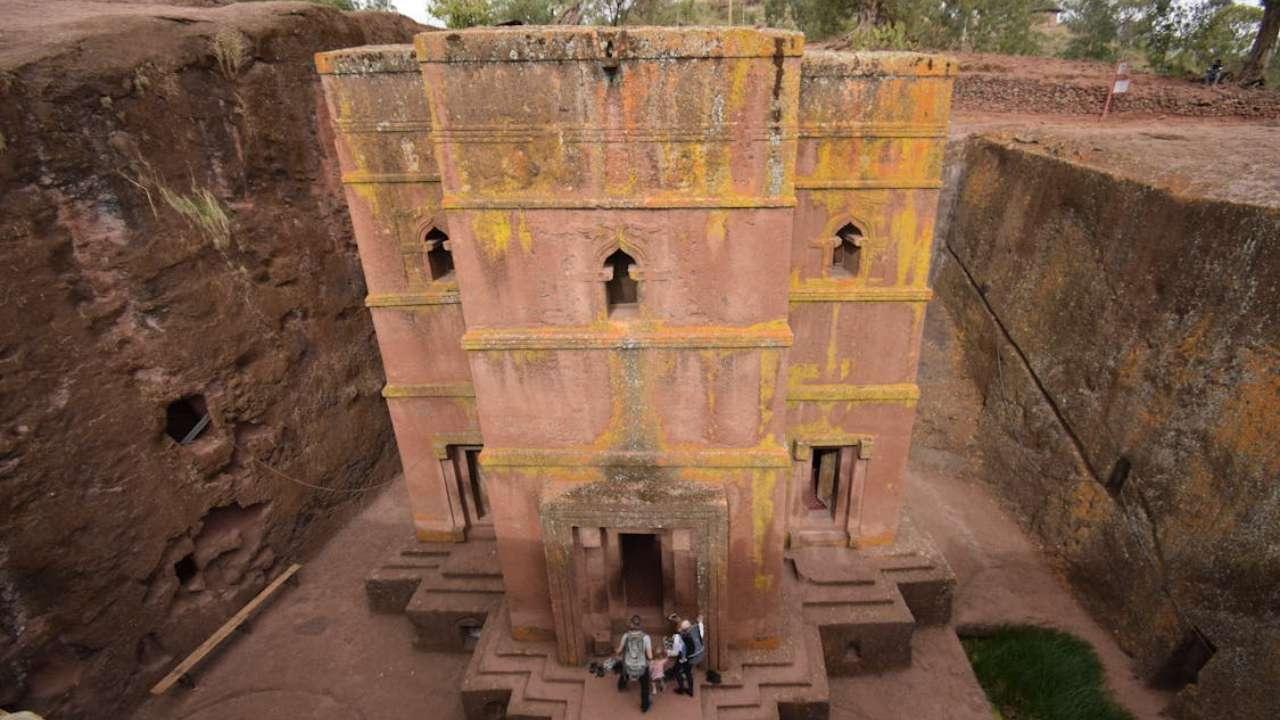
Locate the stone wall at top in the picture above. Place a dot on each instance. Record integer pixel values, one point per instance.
(173, 241)
(1127, 345)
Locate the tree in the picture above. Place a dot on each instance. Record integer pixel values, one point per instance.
(462, 13)
(527, 12)
(609, 12)
(1095, 29)
(470, 13)
(1264, 44)
(1107, 29)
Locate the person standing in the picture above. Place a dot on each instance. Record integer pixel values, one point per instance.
(636, 650)
(690, 650)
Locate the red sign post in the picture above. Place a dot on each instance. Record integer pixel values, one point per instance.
(1119, 84)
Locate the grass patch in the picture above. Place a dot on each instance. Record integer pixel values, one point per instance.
(1032, 673)
(202, 210)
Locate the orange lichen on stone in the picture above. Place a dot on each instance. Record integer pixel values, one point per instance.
(643, 225)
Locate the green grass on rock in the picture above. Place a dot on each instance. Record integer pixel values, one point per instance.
(1033, 673)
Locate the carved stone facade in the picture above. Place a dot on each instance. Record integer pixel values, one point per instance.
(649, 302)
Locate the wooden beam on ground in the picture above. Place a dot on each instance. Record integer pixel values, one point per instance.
(227, 628)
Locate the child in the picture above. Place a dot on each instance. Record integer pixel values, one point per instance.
(658, 667)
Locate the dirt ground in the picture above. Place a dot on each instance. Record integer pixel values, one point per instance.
(1220, 159)
(317, 651)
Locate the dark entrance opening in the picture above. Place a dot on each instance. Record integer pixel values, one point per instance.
(439, 259)
(186, 418)
(641, 570)
(846, 259)
(824, 481)
(621, 291)
(186, 569)
(479, 497)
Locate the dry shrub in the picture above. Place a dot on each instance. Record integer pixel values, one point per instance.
(231, 50)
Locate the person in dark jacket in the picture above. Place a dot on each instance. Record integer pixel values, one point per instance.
(689, 646)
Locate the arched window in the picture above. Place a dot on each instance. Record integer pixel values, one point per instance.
(622, 292)
(846, 258)
(439, 259)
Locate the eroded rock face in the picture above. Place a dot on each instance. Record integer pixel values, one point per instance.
(173, 244)
(1127, 343)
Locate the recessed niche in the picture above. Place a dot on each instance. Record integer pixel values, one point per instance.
(439, 257)
(622, 292)
(846, 258)
(186, 418)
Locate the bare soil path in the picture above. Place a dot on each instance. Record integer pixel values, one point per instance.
(1003, 577)
(316, 651)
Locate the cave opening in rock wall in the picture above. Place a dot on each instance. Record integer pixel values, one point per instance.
(1119, 475)
(186, 569)
(186, 418)
(1182, 667)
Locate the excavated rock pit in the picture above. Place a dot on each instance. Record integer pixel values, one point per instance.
(1125, 340)
(173, 245)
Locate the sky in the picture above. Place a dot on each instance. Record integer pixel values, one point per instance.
(416, 9)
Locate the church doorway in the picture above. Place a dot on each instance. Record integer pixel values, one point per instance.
(642, 578)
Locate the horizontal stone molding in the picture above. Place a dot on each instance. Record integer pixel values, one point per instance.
(827, 293)
(868, 184)
(804, 443)
(619, 336)
(561, 202)
(394, 300)
(900, 392)
(368, 178)
(605, 134)
(440, 442)
(368, 60)
(887, 130)
(355, 126)
(769, 457)
(449, 390)
(561, 43)
(830, 64)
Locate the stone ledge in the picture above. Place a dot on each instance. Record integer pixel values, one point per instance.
(626, 336)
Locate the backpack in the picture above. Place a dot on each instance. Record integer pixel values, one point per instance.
(693, 648)
(633, 658)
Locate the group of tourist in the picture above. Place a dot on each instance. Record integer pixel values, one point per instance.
(681, 652)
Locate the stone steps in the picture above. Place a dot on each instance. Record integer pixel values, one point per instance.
(845, 611)
(523, 677)
(789, 681)
(447, 590)
(864, 623)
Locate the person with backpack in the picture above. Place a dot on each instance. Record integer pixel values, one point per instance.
(636, 651)
(690, 648)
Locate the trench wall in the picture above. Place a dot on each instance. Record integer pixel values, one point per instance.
(171, 226)
(1126, 344)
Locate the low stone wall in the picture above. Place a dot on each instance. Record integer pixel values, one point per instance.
(173, 242)
(1126, 342)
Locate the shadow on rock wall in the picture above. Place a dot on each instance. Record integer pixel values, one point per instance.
(182, 329)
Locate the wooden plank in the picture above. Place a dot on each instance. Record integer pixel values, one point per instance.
(227, 628)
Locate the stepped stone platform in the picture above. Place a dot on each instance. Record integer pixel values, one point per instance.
(853, 611)
(447, 590)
